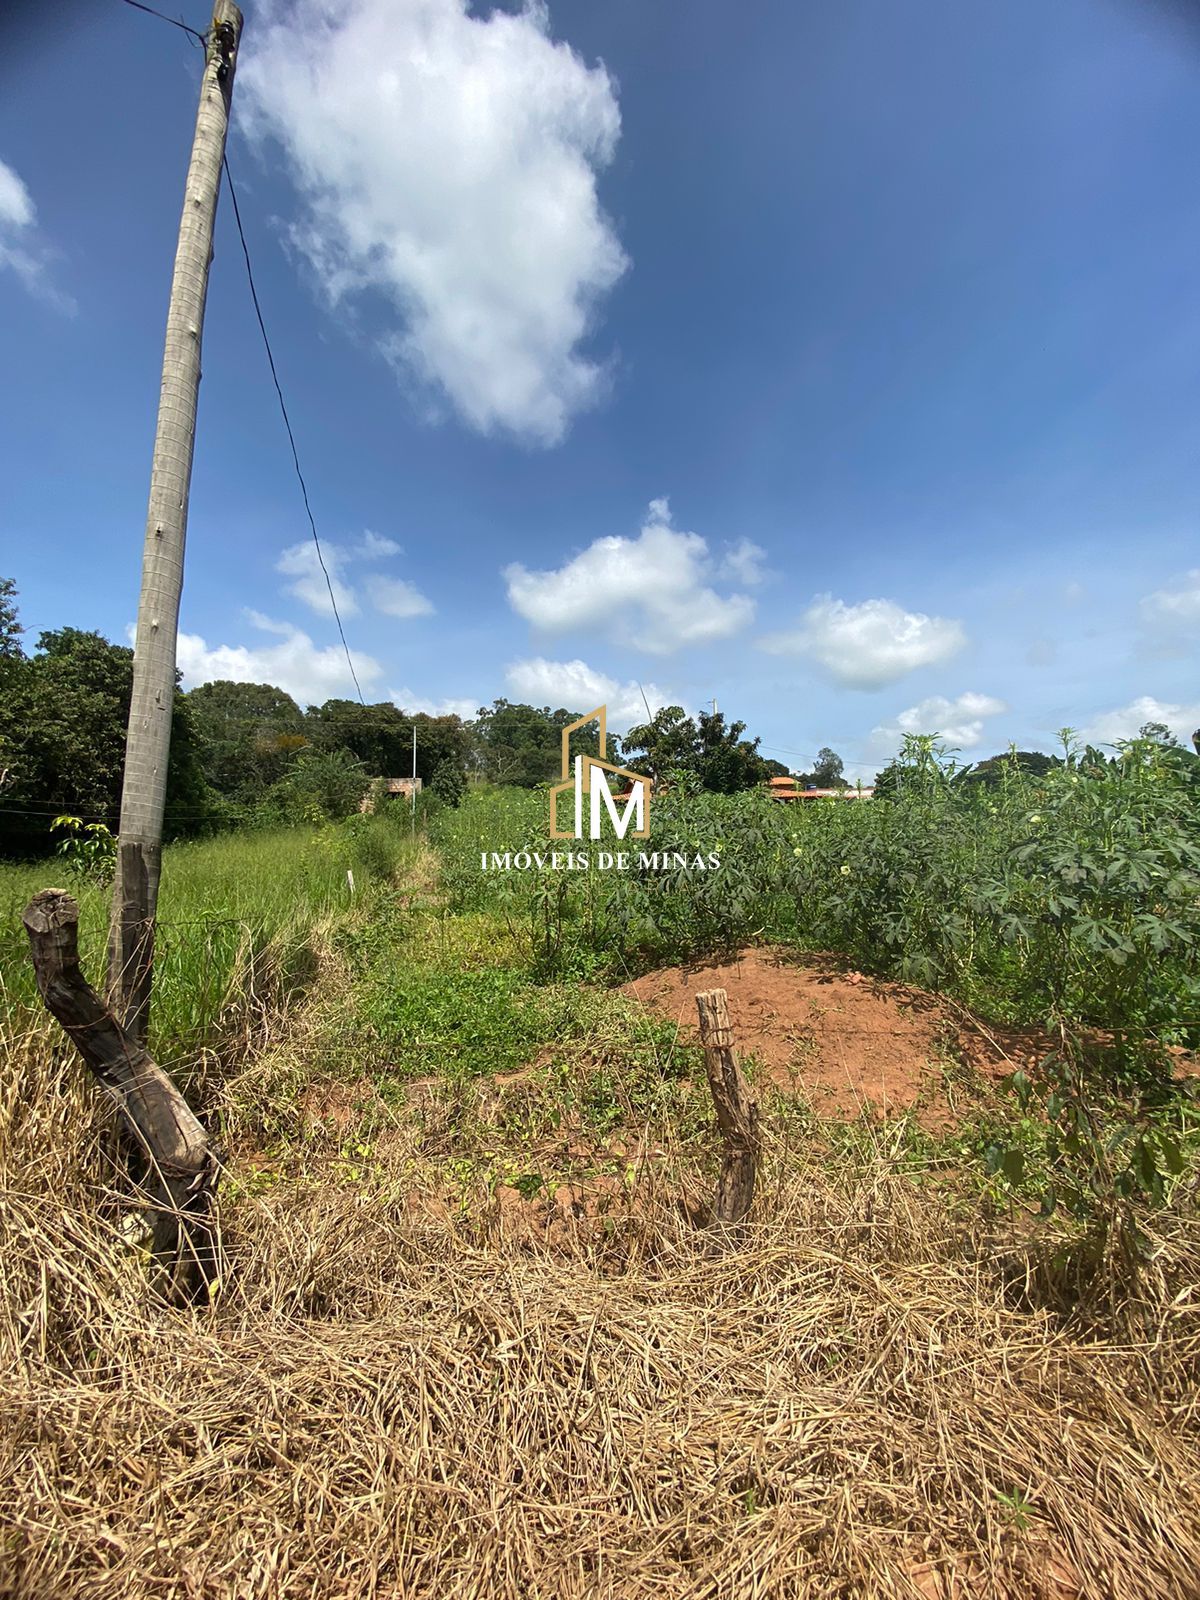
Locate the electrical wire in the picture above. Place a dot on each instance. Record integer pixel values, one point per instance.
(262, 327)
(162, 17)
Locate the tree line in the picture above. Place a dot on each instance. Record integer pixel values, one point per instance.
(247, 753)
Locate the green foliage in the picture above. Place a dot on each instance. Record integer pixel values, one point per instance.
(707, 747)
(10, 623)
(252, 736)
(448, 783)
(1091, 1142)
(378, 736)
(235, 932)
(1071, 899)
(991, 772)
(374, 845)
(321, 786)
(248, 734)
(828, 773)
(443, 1022)
(63, 716)
(88, 848)
(381, 737)
(519, 744)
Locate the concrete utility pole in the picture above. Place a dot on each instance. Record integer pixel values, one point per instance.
(148, 742)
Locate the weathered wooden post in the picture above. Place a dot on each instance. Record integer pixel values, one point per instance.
(180, 1177)
(737, 1113)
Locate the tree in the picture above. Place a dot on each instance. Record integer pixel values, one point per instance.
(1159, 733)
(63, 713)
(991, 771)
(249, 733)
(522, 744)
(728, 763)
(889, 780)
(322, 785)
(448, 783)
(668, 742)
(381, 737)
(10, 627)
(827, 773)
(708, 747)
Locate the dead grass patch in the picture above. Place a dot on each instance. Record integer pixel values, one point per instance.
(390, 1399)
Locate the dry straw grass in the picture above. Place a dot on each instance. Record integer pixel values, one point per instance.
(385, 1402)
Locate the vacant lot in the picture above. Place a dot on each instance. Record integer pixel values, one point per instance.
(472, 1337)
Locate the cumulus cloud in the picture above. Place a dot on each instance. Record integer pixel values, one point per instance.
(374, 545)
(743, 562)
(869, 645)
(1171, 616)
(301, 563)
(1127, 721)
(20, 250)
(409, 700)
(309, 673)
(447, 162)
(397, 598)
(394, 597)
(959, 722)
(575, 686)
(650, 592)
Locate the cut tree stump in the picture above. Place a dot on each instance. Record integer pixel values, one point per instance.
(179, 1180)
(737, 1113)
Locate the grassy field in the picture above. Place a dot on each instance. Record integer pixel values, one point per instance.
(236, 920)
(471, 1337)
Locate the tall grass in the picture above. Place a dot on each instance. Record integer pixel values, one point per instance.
(236, 920)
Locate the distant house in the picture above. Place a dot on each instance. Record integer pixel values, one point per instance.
(403, 787)
(782, 788)
(392, 788)
(787, 789)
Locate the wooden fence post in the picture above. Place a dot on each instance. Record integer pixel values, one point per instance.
(180, 1177)
(737, 1113)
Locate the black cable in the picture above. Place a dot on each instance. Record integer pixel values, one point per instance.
(237, 215)
(174, 21)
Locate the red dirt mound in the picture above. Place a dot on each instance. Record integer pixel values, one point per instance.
(842, 1039)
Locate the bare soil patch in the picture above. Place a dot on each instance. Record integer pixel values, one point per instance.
(847, 1041)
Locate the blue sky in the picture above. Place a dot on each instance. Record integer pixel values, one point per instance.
(839, 364)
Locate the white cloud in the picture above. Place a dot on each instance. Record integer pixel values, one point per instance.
(308, 673)
(868, 645)
(448, 162)
(373, 546)
(1127, 721)
(959, 722)
(1177, 608)
(19, 248)
(397, 598)
(575, 686)
(301, 563)
(409, 700)
(743, 562)
(649, 592)
(16, 206)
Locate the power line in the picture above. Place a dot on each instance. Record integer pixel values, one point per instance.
(262, 327)
(162, 17)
